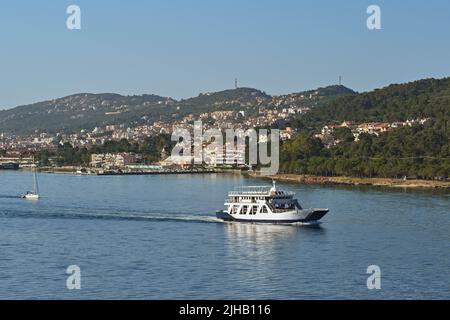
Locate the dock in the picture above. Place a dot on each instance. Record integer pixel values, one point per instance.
(161, 172)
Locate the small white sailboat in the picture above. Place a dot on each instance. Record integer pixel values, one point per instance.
(33, 195)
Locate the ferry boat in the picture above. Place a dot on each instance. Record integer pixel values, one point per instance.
(267, 205)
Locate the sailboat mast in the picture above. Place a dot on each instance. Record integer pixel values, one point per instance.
(36, 187)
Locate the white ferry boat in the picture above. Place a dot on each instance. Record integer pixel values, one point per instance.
(267, 205)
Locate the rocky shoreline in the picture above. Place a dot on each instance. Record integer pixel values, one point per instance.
(351, 181)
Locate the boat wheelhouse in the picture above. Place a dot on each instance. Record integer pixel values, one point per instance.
(263, 204)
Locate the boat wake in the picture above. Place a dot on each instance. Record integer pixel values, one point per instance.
(136, 216)
(161, 217)
(2, 196)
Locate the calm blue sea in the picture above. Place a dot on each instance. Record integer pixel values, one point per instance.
(155, 237)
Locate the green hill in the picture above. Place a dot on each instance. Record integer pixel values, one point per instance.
(80, 111)
(87, 111)
(420, 151)
(399, 102)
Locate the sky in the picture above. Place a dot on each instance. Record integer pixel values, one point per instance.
(180, 48)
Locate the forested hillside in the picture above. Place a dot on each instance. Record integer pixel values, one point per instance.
(419, 99)
(420, 151)
(87, 111)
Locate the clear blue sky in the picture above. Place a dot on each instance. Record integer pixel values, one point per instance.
(181, 48)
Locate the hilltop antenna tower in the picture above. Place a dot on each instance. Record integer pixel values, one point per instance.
(235, 83)
(340, 80)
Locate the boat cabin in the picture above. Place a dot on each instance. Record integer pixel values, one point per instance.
(260, 200)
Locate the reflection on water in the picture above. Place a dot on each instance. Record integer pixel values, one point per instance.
(265, 260)
(266, 235)
(156, 237)
(259, 234)
(260, 243)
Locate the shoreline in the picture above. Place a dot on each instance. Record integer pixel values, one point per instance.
(352, 181)
(77, 171)
(294, 178)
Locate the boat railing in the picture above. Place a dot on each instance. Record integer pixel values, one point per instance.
(245, 201)
(251, 190)
(260, 193)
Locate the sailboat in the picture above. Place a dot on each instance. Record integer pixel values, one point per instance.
(33, 195)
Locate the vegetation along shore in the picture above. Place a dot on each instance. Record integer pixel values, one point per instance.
(353, 181)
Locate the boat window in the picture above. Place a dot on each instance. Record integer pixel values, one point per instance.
(244, 210)
(264, 209)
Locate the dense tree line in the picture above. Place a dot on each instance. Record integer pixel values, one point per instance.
(419, 151)
(67, 155)
(416, 152)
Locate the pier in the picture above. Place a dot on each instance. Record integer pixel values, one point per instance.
(161, 172)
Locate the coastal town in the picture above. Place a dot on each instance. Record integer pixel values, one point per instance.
(18, 148)
(135, 134)
(99, 135)
(216, 159)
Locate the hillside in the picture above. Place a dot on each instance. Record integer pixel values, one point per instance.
(237, 96)
(81, 111)
(398, 102)
(332, 91)
(418, 151)
(87, 111)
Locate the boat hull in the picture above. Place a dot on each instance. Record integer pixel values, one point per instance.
(31, 196)
(9, 166)
(301, 216)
